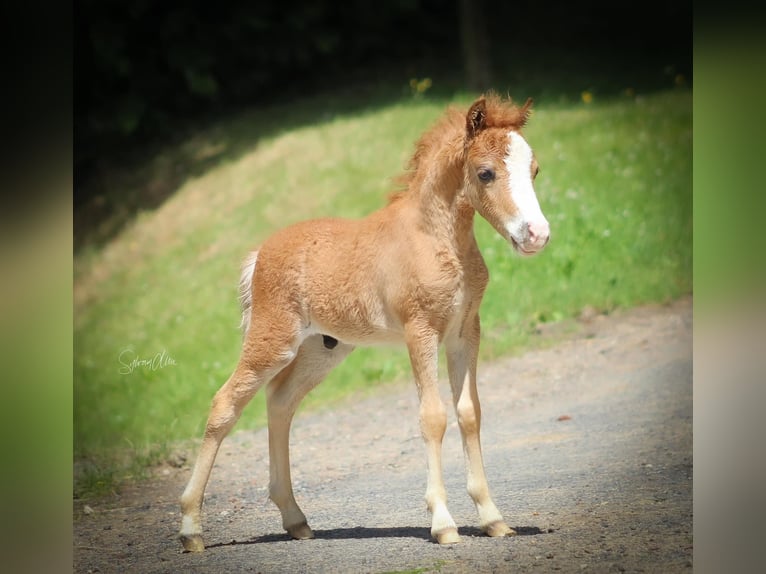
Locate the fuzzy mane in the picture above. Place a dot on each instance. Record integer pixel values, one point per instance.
(447, 137)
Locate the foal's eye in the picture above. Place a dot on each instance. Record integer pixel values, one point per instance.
(486, 174)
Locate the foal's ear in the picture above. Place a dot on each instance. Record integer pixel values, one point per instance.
(526, 111)
(477, 115)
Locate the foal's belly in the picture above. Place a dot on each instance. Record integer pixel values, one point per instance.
(360, 331)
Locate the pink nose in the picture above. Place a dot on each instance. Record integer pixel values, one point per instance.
(539, 232)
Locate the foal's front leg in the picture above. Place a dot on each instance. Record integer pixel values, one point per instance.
(422, 345)
(462, 354)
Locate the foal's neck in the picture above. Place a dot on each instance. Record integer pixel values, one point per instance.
(443, 210)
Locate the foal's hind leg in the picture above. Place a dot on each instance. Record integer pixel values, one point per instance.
(284, 393)
(461, 354)
(257, 365)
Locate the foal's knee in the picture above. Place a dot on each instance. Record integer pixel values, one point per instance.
(468, 419)
(433, 420)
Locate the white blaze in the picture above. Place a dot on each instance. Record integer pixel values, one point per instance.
(519, 163)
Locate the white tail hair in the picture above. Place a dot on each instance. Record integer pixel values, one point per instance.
(246, 291)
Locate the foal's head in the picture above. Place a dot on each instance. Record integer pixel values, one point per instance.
(499, 172)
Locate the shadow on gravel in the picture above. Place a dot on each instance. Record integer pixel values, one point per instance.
(360, 532)
(520, 531)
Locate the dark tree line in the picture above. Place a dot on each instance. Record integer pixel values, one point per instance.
(142, 65)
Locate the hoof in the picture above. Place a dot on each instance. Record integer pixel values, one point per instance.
(300, 531)
(193, 543)
(447, 536)
(499, 528)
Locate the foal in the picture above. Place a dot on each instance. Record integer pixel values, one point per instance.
(410, 272)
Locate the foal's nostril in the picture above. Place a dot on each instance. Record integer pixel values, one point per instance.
(539, 231)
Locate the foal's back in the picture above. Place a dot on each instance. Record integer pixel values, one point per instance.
(339, 275)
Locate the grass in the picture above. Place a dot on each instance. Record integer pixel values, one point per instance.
(615, 183)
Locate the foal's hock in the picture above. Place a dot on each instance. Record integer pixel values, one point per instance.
(408, 273)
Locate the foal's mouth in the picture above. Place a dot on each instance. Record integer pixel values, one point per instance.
(523, 250)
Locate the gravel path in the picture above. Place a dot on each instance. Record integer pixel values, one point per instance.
(588, 449)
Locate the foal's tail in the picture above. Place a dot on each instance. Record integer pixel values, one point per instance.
(246, 290)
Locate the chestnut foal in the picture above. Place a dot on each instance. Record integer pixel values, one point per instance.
(410, 272)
